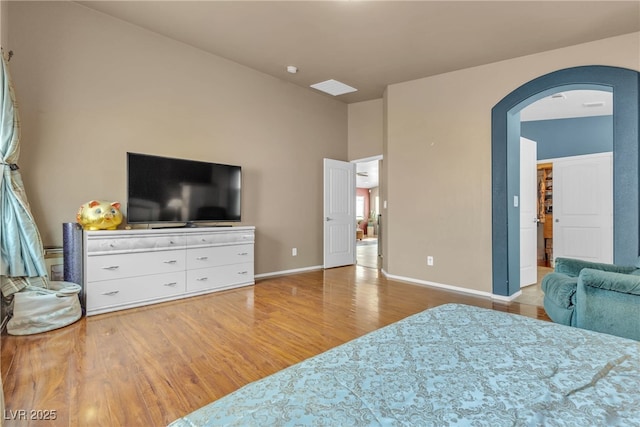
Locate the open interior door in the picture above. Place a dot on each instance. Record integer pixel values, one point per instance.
(528, 212)
(339, 213)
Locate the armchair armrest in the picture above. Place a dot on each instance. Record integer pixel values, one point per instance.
(608, 302)
(611, 281)
(560, 288)
(560, 297)
(572, 267)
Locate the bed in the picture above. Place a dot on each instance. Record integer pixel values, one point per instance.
(449, 365)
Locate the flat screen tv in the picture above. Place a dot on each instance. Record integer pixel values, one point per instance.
(163, 189)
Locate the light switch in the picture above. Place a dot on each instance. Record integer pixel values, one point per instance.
(515, 201)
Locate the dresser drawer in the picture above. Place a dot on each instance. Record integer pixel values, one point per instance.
(218, 238)
(219, 255)
(109, 267)
(103, 244)
(217, 277)
(113, 293)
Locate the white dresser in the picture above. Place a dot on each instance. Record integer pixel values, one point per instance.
(131, 268)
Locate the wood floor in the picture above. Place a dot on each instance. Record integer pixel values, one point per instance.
(149, 366)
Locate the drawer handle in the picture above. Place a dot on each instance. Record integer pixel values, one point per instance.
(243, 253)
(243, 272)
(202, 258)
(171, 285)
(202, 279)
(111, 267)
(171, 261)
(112, 293)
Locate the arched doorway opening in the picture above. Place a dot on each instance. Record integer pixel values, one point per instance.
(505, 170)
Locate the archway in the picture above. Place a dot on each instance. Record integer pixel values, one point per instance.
(505, 128)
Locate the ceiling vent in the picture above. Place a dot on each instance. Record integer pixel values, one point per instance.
(333, 87)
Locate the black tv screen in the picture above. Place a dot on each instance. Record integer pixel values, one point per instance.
(163, 189)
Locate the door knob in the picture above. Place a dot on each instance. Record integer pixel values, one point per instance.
(329, 219)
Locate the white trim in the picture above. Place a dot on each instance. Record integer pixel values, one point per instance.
(285, 272)
(452, 288)
(368, 159)
(439, 285)
(506, 299)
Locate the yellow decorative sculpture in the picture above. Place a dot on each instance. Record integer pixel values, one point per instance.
(99, 215)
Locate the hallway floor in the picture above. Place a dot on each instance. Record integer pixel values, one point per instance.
(367, 253)
(532, 294)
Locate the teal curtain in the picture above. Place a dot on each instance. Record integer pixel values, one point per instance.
(22, 253)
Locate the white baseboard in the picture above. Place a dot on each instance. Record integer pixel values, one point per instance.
(438, 285)
(452, 288)
(505, 298)
(403, 279)
(285, 272)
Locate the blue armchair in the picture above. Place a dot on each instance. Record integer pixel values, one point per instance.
(595, 296)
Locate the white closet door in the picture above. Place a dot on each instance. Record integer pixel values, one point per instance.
(583, 207)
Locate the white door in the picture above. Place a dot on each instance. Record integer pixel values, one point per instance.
(528, 212)
(583, 207)
(339, 213)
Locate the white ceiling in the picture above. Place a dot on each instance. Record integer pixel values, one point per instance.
(367, 174)
(371, 44)
(569, 104)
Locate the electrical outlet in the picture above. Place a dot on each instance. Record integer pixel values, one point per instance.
(294, 252)
(430, 260)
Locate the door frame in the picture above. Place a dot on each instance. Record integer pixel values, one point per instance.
(379, 158)
(505, 129)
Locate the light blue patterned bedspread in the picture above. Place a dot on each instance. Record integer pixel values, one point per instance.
(450, 365)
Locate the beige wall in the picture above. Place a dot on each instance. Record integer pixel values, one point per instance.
(4, 25)
(438, 161)
(365, 129)
(90, 88)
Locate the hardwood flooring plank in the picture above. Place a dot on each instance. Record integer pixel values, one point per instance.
(150, 365)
